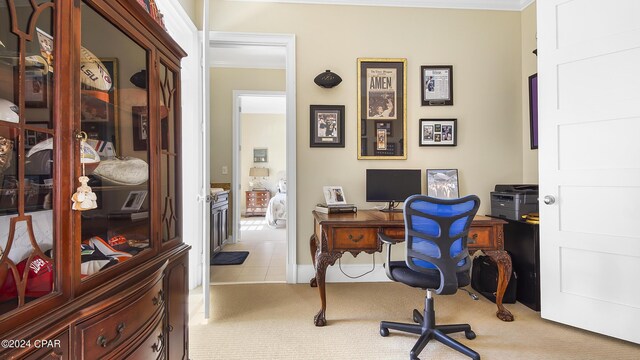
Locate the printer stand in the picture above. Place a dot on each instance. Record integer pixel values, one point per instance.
(522, 241)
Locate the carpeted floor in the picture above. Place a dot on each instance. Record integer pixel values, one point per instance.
(275, 321)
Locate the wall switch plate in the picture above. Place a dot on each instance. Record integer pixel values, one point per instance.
(225, 170)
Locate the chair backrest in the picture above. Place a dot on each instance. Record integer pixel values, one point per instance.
(436, 236)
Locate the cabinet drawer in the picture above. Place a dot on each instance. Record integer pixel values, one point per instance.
(153, 346)
(395, 233)
(481, 237)
(50, 349)
(106, 332)
(354, 239)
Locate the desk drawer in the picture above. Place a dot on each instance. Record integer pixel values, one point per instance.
(106, 332)
(354, 239)
(481, 238)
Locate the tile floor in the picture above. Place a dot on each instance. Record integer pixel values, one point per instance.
(267, 255)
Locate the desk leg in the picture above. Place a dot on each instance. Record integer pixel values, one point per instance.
(502, 259)
(313, 245)
(323, 261)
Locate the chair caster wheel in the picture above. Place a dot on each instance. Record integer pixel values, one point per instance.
(470, 335)
(384, 332)
(416, 317)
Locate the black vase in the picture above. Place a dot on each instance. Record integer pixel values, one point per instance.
(327, 79)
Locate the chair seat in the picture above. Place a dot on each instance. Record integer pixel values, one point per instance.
(429, 279)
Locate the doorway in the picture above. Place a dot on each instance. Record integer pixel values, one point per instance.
(260, 162)
(245, 68)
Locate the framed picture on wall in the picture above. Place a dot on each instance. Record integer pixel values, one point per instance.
(437, 85)
(438, 132)
(382, 95)
(260, 155)
(533, 110)
(35, 86)
(326, 128)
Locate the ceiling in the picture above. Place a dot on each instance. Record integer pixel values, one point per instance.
(274, 57)
(510, 5)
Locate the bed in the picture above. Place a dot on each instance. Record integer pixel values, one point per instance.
(277, 209)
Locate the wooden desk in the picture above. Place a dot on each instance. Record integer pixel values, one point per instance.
(335, 234)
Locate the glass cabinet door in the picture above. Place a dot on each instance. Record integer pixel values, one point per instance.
(169, 159)
(27, 246)
(115, 118)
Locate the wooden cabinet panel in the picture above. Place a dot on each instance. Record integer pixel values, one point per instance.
(176, 303)
(218, 230)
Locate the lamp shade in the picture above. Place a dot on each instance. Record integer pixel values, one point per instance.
(257, 172)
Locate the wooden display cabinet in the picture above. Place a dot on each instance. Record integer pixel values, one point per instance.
(109, 282)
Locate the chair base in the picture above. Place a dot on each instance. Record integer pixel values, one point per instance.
(427, 330)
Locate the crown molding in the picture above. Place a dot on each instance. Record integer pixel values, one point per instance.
(504, 5)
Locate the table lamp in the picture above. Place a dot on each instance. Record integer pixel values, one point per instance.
(255, 172)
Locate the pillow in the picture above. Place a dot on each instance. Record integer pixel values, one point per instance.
(282, 186)
(127, 171)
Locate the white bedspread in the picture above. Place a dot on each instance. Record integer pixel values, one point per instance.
(42, 223)
(277, 211)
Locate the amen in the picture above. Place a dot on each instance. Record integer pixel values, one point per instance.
(380, 83)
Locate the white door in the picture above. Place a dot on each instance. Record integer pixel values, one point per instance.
(204, 139)
(589, 153)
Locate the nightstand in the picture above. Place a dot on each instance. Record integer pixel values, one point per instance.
(257, 201)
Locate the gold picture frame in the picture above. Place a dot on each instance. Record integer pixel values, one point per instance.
(382, 95)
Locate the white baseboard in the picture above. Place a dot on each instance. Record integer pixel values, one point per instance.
(334, 275)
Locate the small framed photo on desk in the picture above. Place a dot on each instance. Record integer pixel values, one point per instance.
(334, 195)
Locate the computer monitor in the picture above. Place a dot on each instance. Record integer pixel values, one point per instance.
(392, 185)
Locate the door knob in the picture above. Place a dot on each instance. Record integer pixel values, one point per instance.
(549, 200)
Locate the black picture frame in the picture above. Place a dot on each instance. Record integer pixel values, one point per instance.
(438, 132)
(437, 85)
(326, 126)
(533, 111)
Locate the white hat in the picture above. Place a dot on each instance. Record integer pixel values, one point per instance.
(89, 154)
(8, 111)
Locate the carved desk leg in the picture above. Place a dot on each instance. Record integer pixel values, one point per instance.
(323, 260)
(313, 245)
(502, 259)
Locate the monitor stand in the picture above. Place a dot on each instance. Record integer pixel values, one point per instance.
(391, 207)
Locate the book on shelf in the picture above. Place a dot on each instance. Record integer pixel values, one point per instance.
(335, 209)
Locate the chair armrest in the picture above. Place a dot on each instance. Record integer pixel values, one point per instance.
(389, 240)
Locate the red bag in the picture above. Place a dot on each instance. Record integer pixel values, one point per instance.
(39, 279)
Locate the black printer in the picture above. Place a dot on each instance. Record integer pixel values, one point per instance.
(513, 201)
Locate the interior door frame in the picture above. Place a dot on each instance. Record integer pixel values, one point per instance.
(288, 42)
(236, 142)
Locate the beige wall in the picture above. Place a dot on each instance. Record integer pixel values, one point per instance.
(262, 131)
(484, 48)
(223, 82)
(529, 67)
(191, 8)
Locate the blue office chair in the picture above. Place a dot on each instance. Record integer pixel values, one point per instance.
(437, 258)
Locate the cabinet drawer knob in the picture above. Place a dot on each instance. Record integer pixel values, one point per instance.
(356, 239)
(102, 340)
(473, 239)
